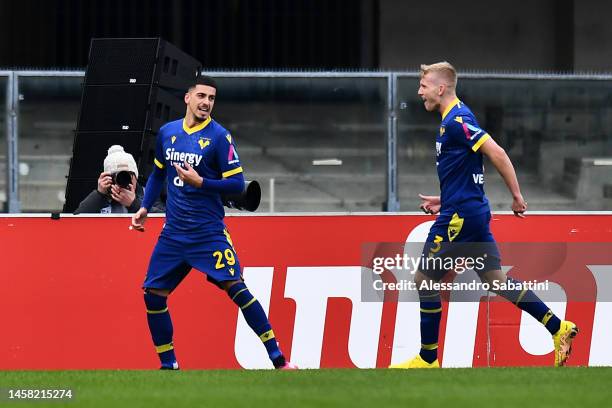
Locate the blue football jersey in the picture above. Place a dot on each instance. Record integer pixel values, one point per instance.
(210, 149)
(459, 164)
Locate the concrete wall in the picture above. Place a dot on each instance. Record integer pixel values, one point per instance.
(485, 35)
(478, 35)
(593, 35)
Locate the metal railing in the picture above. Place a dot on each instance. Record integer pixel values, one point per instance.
(13, 98)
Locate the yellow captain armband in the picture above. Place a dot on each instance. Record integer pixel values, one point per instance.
(481, 141)
(158, 164)
(230, 173)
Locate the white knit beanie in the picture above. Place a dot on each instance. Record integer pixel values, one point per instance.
(118, 160)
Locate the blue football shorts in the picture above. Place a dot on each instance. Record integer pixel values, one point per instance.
(172, 260)
(453, 239)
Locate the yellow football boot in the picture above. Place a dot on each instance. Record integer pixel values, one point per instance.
(563, 342)
(416, 362)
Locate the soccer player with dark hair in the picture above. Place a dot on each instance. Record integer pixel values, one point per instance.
(464, 214)
(198, 158)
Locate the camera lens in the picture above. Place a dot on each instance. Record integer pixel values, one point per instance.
(122, 179)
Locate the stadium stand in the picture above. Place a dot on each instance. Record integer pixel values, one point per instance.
(283, 125)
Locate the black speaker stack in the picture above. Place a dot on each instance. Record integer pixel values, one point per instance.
(132, 87)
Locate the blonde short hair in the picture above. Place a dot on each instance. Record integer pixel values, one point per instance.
(444, 69)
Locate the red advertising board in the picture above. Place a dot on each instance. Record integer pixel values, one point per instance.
(72, 296)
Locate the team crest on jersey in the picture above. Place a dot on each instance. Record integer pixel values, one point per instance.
(454, 226)
(173, 139)
(203, 142)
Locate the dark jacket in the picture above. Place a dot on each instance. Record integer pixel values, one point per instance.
(96, 203)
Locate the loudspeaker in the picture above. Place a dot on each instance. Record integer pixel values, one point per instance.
(131, 88)
(128, 107)
(77, 190)
(90, 149)
(121, 61)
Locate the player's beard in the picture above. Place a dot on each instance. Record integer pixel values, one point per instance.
(200, 116)
(430, 106)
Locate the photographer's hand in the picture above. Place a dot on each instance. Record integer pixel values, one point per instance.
(189, 176)
(139, 219)
(124, 196)
(104, 182)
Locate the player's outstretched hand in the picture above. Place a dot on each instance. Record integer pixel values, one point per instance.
(139, 219)
(519, 206)
(189, 175)
(430, 204)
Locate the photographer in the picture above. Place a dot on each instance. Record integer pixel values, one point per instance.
(118, 191)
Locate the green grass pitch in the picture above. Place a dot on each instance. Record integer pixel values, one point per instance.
(453, 388)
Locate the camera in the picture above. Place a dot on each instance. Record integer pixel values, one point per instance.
(122, 178)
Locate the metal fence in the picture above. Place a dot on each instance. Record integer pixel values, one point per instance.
(343, 141)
